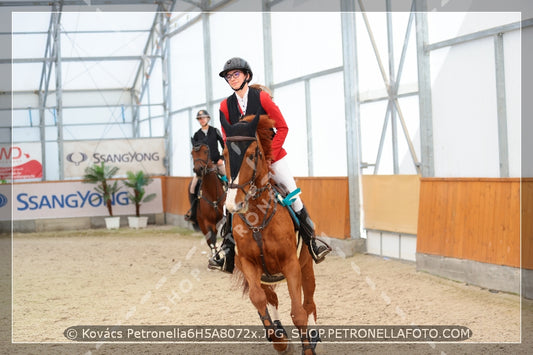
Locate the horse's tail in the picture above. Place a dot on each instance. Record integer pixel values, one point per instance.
(239, 281)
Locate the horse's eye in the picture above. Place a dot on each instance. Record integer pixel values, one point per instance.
(251, 157)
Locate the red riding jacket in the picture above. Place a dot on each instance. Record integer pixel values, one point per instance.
(258, 101)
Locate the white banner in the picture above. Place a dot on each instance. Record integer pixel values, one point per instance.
(146, 154)
(22, 161)
(70, 199)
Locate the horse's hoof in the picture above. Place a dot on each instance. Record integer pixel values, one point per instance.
(319, 348)
(289, 350)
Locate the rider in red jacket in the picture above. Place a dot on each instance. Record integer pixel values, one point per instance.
(245, 101)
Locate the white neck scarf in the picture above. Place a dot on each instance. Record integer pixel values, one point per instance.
(243, 101)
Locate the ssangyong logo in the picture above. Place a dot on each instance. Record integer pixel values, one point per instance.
(3, 200)
(77, 158)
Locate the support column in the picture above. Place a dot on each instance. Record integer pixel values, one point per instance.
(56, 13)
(207, 61)
(503, 142)
(267, 43)
(424, 91)
(392, 89)
(42, 133)
(165, 68)
(349, 51)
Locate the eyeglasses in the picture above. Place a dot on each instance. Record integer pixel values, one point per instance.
(234, 75)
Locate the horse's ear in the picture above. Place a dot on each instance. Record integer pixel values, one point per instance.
(255, 122)
(224, 122)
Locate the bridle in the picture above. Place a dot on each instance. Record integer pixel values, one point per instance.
(253, 192)
(207, 168)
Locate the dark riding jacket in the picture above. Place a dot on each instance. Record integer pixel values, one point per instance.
(211, 139)
(258, 101)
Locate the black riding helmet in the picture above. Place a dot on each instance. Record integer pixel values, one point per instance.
(237, 63)
(202, 113)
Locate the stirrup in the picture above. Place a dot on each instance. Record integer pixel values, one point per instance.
(318, 250)
(218, 262)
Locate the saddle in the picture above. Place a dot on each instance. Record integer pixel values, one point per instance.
(285, 199)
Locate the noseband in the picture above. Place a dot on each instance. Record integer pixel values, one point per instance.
(205, 167)
(253, 192)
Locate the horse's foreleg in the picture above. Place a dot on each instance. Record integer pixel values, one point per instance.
(211, 239)
(293, 274)
(272, 308)
(308, 284)
(259, 299)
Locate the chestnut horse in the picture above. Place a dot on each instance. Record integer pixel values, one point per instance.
(211, 195)
(264, 233)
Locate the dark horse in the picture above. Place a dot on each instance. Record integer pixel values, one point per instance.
(211, 194)
(264, 232)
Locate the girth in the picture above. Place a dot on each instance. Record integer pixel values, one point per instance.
(256, 231)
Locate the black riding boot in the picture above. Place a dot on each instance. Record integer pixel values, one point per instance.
(224, 261)
(191, 214)
(318, 248)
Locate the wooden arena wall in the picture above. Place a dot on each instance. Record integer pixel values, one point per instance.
(390, 202)
(475, 218)
(465, 218)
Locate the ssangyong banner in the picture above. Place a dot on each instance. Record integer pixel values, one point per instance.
(146, 154)
(22, 161)
(70, 199)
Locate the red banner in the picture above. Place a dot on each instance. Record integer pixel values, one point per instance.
(21, 162)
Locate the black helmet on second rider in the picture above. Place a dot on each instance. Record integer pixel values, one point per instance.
(202, 114)
(237, 63)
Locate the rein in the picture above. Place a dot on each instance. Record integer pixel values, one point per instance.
(254, 193)
(213, 204)
(208, 168)
(256, 230)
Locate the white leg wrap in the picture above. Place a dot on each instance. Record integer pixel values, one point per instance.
(273, 311)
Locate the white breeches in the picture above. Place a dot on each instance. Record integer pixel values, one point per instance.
(282, 175)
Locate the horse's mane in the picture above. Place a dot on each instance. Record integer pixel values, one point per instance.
(264, 133)
(262, 88)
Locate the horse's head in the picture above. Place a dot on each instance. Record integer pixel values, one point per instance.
(201, 159)
(245, 162)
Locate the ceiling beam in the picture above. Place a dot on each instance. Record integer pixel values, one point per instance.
(49, 3)
(80, 59)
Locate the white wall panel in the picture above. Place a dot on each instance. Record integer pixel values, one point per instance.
(187, 77)
(464, 111)
(408, 247)
(236, 34)
(181, 147)
(465, 121)
(291, 101)
(302, 44)
(373, 242)
(329, 126)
